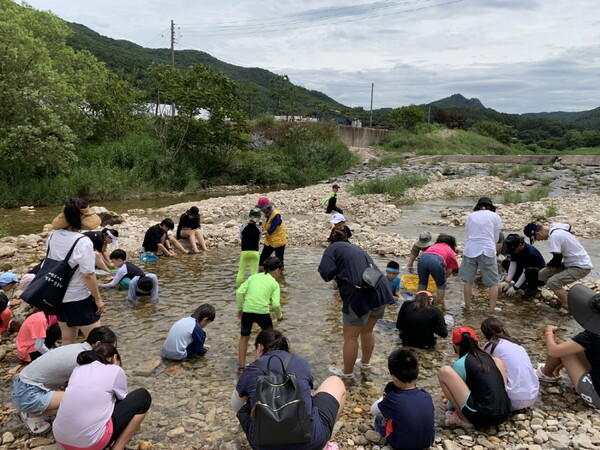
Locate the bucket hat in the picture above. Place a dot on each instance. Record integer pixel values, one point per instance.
(584, 305)
(89, 220)
(424, 240)
(485, 201)
(337, 218)
(254, 214)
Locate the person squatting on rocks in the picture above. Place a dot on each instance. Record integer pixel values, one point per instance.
(37, 389)
(273, 231)
(189, 228)
(392, 271)
(331, 201)
(483, 227)
(580, 355)
(439, 261)
(419, 321)
(324, 407)
(38, 334)
(187, 337)
(362, 306)
(158, 241)
(96, 409)
(125, 273)
(250, 239)
(420, 245)
(253, 298)
(522, 267)
(101, 239)
(522, 384)
(570, 262)
(405, 413)
(474, 385)
(339, 223)
(82, 304)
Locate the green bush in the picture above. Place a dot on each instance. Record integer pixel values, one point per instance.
(395, 185)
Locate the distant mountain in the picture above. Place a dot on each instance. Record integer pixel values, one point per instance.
(585, 118)
(458, 101)
(131, 61)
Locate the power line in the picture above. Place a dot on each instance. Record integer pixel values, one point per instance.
(157, 37)
(284, 26)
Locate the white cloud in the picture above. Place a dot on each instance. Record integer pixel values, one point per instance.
(514, 55)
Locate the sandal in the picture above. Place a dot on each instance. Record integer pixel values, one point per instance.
(453, 418)
(36, 425)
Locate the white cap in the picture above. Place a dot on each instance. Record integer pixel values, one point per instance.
(337, 218)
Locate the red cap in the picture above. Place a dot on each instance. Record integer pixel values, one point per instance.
(262, 202)
(457, 336)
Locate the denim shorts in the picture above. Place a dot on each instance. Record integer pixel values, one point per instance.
(29, 398)
(431, 264)
(487, 265)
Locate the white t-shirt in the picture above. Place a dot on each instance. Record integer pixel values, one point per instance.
(60, 243)
(560, 240)
(521, 381)
(483, 230)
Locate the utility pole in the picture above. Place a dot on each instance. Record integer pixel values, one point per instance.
(371, 119)
(172, 58)
(429, 114)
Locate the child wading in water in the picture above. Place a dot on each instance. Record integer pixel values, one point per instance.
(250, 235)
(253, 299)
(186, 337)
(127, 270)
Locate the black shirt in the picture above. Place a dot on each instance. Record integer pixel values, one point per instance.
(529, 257)
(250, 234)
(418, 325)
(152, 238)
(186, 221)
(97, 239)
(591, 343)
(133, 271)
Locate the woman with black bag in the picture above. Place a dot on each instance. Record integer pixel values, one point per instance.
(82, 304)
(363, 300)
(324, 408)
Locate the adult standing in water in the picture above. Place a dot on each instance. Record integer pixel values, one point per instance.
(483, 227)
(362, 306)
(273, 231)
(189, 228)
(82, 304)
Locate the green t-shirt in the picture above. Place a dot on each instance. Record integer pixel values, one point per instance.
(257, 292)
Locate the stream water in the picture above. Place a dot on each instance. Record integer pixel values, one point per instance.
(196, 394)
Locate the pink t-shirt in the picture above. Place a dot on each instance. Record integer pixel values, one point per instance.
(88, 403)
(34, 327)
(447, 254)
(5, 317)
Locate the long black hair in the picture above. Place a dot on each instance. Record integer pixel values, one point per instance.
(447, 239)
(470, 345)
(272, 339)
(102, 353)
(72, 211)
(422, 301)
(493, 330)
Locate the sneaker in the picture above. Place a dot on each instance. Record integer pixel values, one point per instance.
(453, 418)
(361, 365)
(340, 373)
(36, 425)
(543, 377)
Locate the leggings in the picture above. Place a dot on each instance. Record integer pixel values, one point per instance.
(136, 402)
(247, 257)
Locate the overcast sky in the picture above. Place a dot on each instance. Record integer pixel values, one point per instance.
(514, 55)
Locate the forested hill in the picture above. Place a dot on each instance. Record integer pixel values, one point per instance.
(131, 61)
(585, 118)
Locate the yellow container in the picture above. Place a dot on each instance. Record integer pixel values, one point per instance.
(411, 283)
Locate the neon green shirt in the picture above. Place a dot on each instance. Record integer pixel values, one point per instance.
(331, 194)
(260, 290)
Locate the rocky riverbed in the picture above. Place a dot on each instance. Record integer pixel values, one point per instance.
(196, 413)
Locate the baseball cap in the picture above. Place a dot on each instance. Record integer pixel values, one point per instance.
(337, 218)
(457, 335)
(7, 278)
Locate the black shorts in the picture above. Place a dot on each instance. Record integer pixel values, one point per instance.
(79, 313)
(328, 409)
(263, 320)
(136, 402)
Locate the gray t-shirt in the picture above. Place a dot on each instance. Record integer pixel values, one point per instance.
(53, 369)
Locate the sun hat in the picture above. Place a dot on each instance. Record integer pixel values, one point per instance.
(457, 335)
(89, 220)
(530, 229)
(424, 239)
(193, 212)
(254, 214)
(584, 305)
(337, 218)
(264, 203)
(512, 241)
(485, 201)
(7, 278)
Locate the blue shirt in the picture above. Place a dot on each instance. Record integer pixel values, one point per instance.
(186, 338)
(395, 284)
(412, 414)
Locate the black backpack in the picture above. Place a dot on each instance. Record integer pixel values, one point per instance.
(280, 415)
(48, 288)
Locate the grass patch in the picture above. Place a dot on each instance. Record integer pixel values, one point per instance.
(3, 231)
(394, 186)
(537, 193)
(520, 170)
(512, 197)
(493, 170)
(551, 210)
